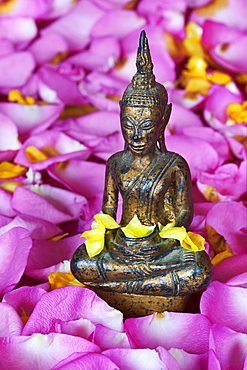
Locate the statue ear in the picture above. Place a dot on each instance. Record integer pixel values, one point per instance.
(167, 113)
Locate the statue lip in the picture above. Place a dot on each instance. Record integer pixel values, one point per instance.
(137, 147)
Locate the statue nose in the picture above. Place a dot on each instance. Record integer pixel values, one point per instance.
(135, 137)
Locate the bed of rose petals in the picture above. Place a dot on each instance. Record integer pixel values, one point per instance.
(63, 68)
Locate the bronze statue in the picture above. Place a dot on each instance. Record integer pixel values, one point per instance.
(149, 274)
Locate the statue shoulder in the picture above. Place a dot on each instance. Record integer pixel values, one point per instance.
(178, 161)
(114, 159)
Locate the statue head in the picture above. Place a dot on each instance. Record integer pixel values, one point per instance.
(145, 100)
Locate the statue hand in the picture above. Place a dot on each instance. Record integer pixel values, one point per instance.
(109, 237)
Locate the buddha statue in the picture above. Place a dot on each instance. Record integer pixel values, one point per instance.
(140, 276)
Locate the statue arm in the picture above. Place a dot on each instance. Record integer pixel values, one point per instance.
(183, 202)
(110, 199)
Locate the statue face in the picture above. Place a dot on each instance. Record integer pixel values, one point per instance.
(140, 127)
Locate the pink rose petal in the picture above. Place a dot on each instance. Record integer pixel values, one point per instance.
(47, 46)
(45, 253)
(11, 323)
(79, 328)
(54, 87)
(66, 147)
(15, 246)
(228, 219)
(91, 361)
(85, 178)
(24, 299)
(230, 267)
(239, 280)
(70, 25)
(71, 303)
(17, 29)
(230, 56)
(8, 135)
(101, 55)
(31, 118)
(230, 347)
(6, 208)
(119, 22)
(193, 151)
(22, 64)
(51, 204)
(38, 229)
(229, 303)
(189, 360)
(135, 359)
(170, 330)
(28, 8)
(107, 338)
(41, 351)
(224, 14)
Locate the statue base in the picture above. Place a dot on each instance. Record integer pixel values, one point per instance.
(136, 305)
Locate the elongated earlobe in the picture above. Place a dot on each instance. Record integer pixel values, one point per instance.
(165, 120)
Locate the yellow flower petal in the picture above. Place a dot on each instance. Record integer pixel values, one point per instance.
(7, 6)
(135, 229)
(16, 96)
(178, 233)
(61, 279)
(198, 85)
(221, 257)
(167, 226)
(9, 170)
(193, 242)
(192, 41)
(94, 248)
(10, 186)
(219, 78)
(237, 112)
(34, 154)
(106, 220)
(96, 234)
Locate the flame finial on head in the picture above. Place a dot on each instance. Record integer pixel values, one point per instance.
(144, 78)
(144, 90)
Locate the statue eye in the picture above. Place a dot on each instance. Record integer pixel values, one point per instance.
(147, 125)
(127, 125)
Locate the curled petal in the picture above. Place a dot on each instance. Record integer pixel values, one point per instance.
(135, 229)
(79, 328)
(12, 324)
(94, 248)
(24, 299)
(96, 234)
(107, 221)
(107, 338)
(193, 242)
